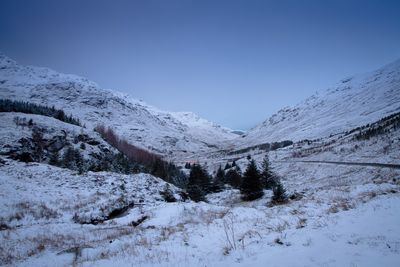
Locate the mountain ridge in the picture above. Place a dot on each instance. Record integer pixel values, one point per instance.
(163, 132)
(353, 101)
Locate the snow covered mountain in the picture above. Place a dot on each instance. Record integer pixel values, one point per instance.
(344, 189)
(353, 102)
(171, 134)
(180, 136)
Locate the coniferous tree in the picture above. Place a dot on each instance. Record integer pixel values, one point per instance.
(199, 183)
(187, 165)
(233, 178)
(269, 179)
(79, 161)
(219, 181)
(68, 159)
(220, 176)
(159, 169)
(54, 158)
(251, 187)
(37, 138)
(279, 195)
(227, 166)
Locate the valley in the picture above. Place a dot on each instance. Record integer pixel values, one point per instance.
(72, 194)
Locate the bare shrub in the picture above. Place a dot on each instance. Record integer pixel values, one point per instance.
(37, 211)
(132, 152)
(250, 234)
(229, 230)
(281, 227)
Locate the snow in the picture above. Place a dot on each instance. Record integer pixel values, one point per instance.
(172, 134)
(352, 102)
(336, 223)
(345, 215)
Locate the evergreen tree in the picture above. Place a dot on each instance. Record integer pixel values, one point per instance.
(220, 176)
(199, 183)
(38, 142)
(68, 159)
(227, 166)
(54, 158)
(60, 115)
(121, 164)
(159, 169)
(79, 161)
(268, 177)
(279, 195)
(251, 187)
(187, 165)
(233, 178)
(219, 181)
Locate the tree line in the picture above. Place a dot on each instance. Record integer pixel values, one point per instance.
(149, 162)
(7, 105)
(251, 183)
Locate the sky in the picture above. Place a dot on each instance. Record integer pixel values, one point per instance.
(233, 62)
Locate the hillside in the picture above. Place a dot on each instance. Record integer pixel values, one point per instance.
(171, 134)
(354, 101)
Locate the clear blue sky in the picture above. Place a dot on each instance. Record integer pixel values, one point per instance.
(234, 62)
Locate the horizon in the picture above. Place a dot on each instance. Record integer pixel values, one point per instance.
(219, 60)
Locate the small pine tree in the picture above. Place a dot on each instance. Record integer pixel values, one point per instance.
(220, 176)
(54, 158)
(79, 161)
(219, 181)
(82, 146)
(251, 187)
(268, 177)
(227, 166)
(159, 169)
(68, 159)
(279, 195)
(233, 178)
(199, 183)
(38, 142)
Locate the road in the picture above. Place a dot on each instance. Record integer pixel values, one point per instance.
(370, 164)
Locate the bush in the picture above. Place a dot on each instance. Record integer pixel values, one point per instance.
(167, 194)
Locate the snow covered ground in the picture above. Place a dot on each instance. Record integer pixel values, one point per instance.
(346, 216)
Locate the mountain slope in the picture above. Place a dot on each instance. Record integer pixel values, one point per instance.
(171, 134)
(352, 102)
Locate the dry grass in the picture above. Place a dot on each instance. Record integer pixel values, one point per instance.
(301, 223)
(340, 204)
(280, 227)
